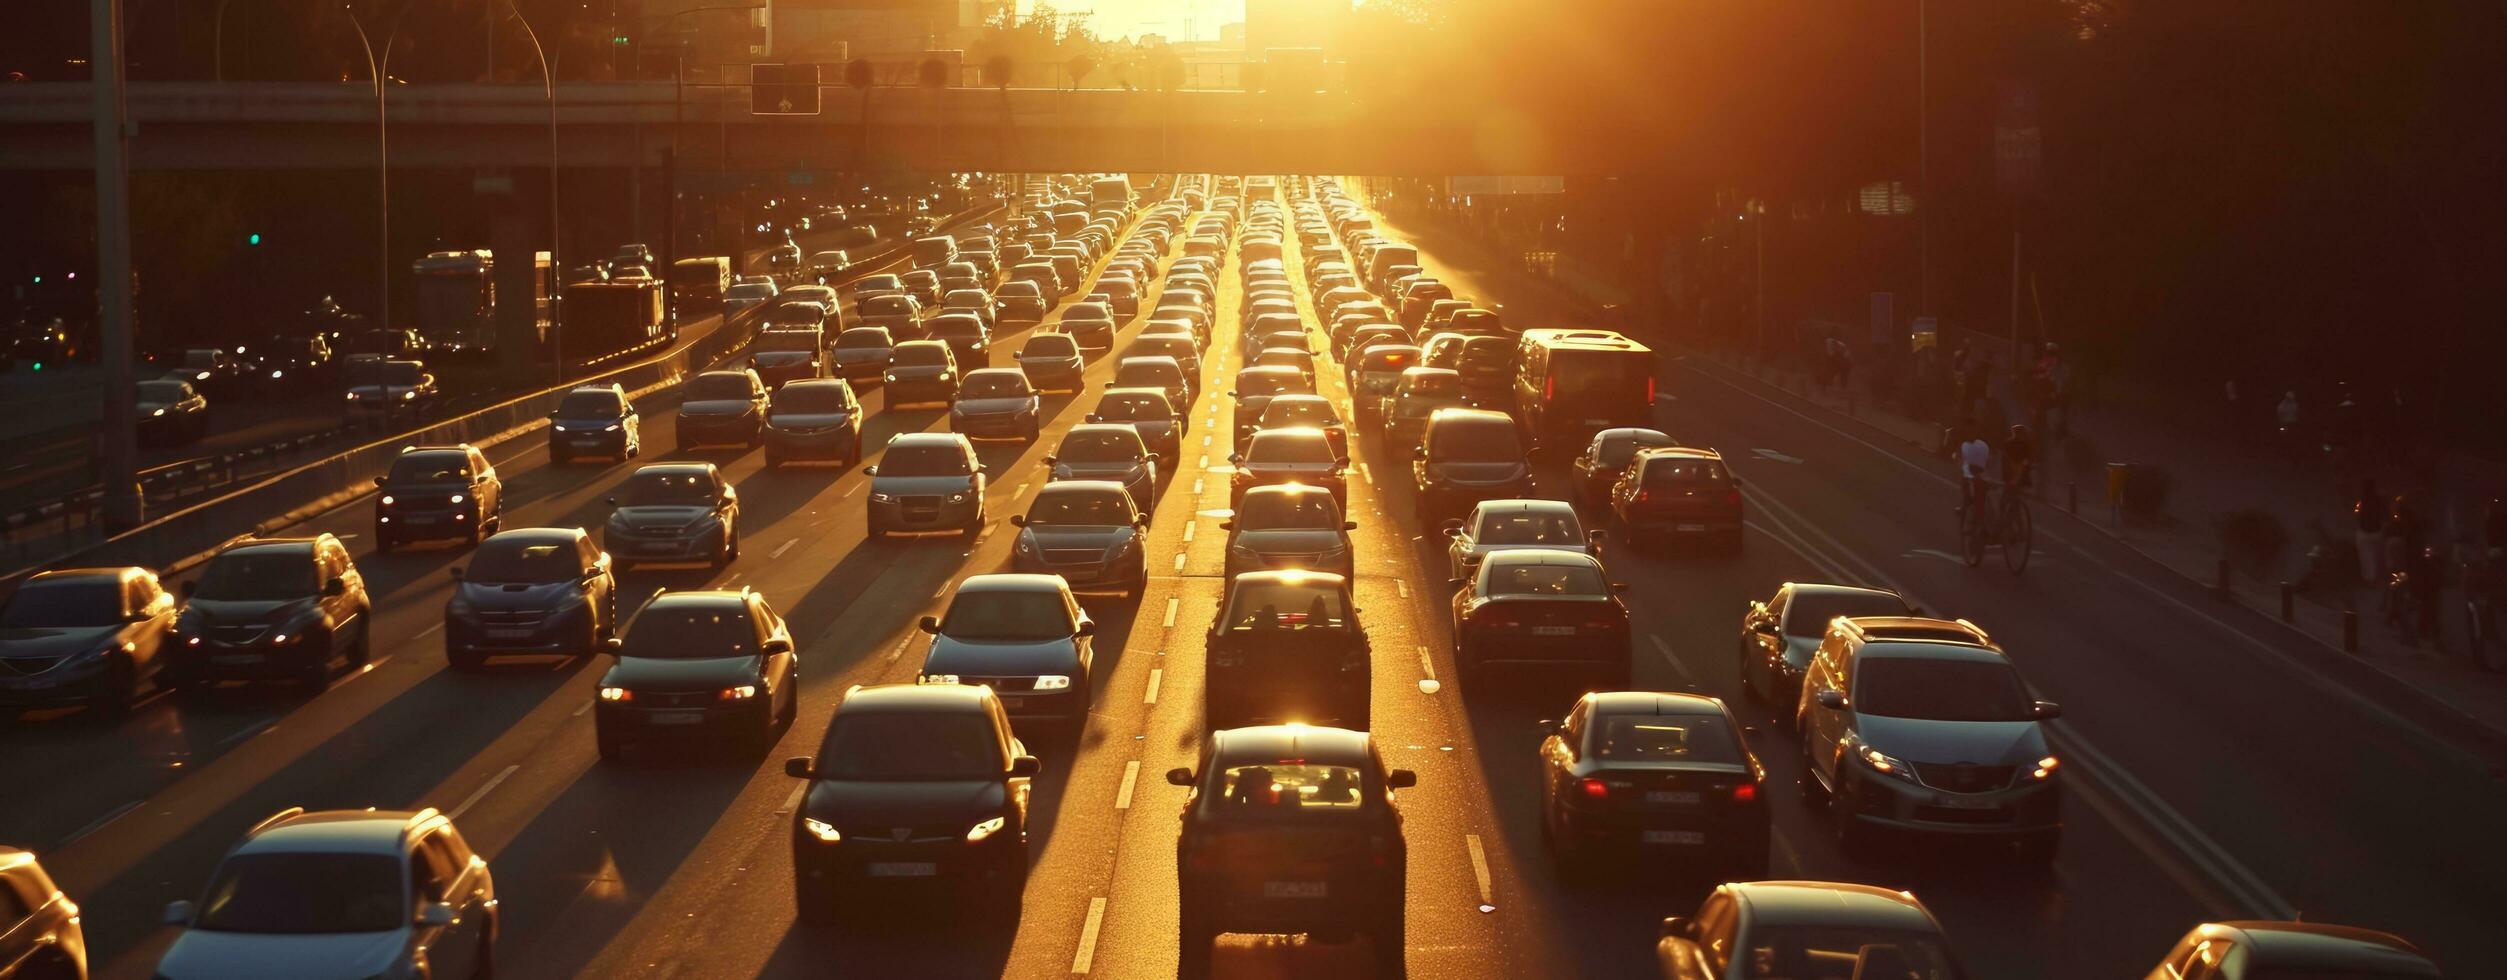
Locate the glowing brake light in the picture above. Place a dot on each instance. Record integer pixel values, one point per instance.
(1549, 388)
(1595, 789)
(1733, 496)
(1745, 793)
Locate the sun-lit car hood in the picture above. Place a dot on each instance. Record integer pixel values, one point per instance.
(917, 486)
(1985, 743)
(806, 420)
(659, 674)
(871, 809)
(657, 517)
(200, 953)
(1055, 536)
(1478, 472)
(714, 407)
(1007, 658)
(54, 641)
(994, 406)
(209, 612)
(517, 595)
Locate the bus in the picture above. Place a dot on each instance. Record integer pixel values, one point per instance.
(1570, 383)
(457, 299)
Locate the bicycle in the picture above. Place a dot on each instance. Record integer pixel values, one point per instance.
(2008, 527)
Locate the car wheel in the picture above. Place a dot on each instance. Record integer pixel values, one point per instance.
(1194, 938)
(816, 904)
(315, 677)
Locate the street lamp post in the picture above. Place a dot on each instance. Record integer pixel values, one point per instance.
(123, 506)
(382, 164)
(556, 267)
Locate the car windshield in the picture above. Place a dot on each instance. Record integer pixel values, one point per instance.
(1683, 470)
(93, 601)
(1299, 411)
(691, 631)
(668, 488)
(1099, 446)
(1080, 509)
(811, 399)
(1545, 580)
(1287, 511)
(1842, 953)
(431, 467)
(910, 746)
(1665, 738)
(1134, 408)
(921, 354)
(1807, 615)
(588, 406)
(1000, 614)
(1286, 787)
(1050, 345)
(1003, 384)
(957, 327)
(863, 338)
(523, 562)
(1265, 606)
(1939, 690)
(1475, 442)
(1558, 529)
(718, 387)
(295, 892)
(923, 461)
(785, 340)
(258, 576)
(1272, 448)
(160, 392)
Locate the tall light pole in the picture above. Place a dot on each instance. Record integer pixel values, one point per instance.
(382, 161)
(556, 268)
(1923, 162)
(123, 507)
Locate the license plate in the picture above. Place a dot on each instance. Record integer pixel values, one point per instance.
(1963, 803)
(903, 869)
(660, 547)
(677, 717)
(236, 658)
(1682, 797)
(507, 634)
(1689, 527)
(1674, 837)
(1296, 889)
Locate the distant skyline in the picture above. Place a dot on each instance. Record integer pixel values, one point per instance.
(1133, 18)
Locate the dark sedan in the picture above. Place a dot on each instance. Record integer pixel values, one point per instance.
(702, 665)
(1541, 610)
(534, 590)
(1668, 776)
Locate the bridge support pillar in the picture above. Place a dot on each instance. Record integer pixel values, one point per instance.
(518, 232)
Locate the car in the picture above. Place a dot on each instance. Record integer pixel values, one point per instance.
(745, 295)
(972, 299)
(2295, 950)
(1157, 371)
(927, 481)
(714, 664)
(1287, 646)
(1306, 411)
(1291, 828)
(271, 609)
(1677, 491)
(817, 419)
(783, 355)
(1022, 301)
(341, 893)
(1418, 393)
(170, 412)
(1289, 526)
(1922, 725)
(924, 286)
(1086, 531)
(884, 284)
(1605, 458)
(1022, 635)
(40, 932)
(531, 591)
(1302, 455)
(1779, 636)
(1052, 362)
(673, 512)
(594, 420)
(87, 636)
(1176, 344)
(1107, 451)
(1092, 324)
(1543, 610)
(796, 313)
(722, 407)
(997, 402)
(1466, 455)
(860, 355)
(1149, 413)
(291, 363)
(1511, 524)
(1253, 391)
(921, 372)
(1122, 296)
(381, 392)
(1812, 929)
(212, 370)
(900, 313)
(969, 342)
(1282, 356)
(438, 492)
(911, 783)
(1654, 775)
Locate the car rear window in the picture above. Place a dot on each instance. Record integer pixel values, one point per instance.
(1266, 606)
(1545, 580)
(1474, 440)
(1665, 738)
(1683, 469)
(1557, 529)
(1289, 786)
(1581, 370)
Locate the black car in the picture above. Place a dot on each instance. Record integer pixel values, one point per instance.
(1287, 646)
(82, 636)
(912, 783)
(1467, 455)
(271, 609)
(595, 420)
(723, 407)
(674, 512)
(531, 590)
(1291, 829)
(438, 492)
(1022, 635)
(1541, 609)
(699, 665)
(1636, 773)
(968, 339)
(814, 419)
(1779, 636)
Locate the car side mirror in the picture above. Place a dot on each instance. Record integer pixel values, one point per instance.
(1418, 452)
(1763, 628)
(1676, 927)
(1018, 520)
(930, 624)
(1178, 776)
(1236, 457)
(1400, 779)
(435, 914)
(1341, 462)
(1227, 525)
(1594, 535)
(1471, 561)
(1619, 587)
(776, 645)
(1832, 699)
(1456, 583)
(1084, 629)
(1053, 461)
(613, 645)
(1349, 525)
(1153, 457)
(178, 913)
(1140, 520)
(382, 481)
(337, 586)
(1089, 418)
(1026, 765)
(185, 589)
(2046, 710)
(799, 767)
(871, 470)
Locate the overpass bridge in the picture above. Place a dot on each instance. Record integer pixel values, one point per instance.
(262, 126)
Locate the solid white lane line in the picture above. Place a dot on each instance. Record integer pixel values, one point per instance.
(1427, 669)
(99, 823)
(781, 548)
(1156, 674)
(800, 788)
(1401, 588)
(1087, 955)
(429, 631)
(1131, 775)
(1676, 666)
(1171, 603)
(482, 792)
(1188, 532)
(249, 731)
(1480, 869)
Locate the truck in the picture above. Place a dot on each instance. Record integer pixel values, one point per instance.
(457, 300)
(608, 320)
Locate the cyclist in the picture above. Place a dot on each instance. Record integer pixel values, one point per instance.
(1975, 461)
(2019, 460)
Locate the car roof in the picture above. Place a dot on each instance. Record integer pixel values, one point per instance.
(1653, 703)
(289, 545)
(995, 373)
(914, 697)
(1540, 556)
(1916, 638)
(1429, 372)
(2323, 946)
(1286, 490)
(1157, 393)
(1631, 432)
(735, 373)
(1277, 742)
(904, 439)
(700, 598)
(383, 832)
(1525, 505)
(81, 574)
(676, 469)
(1471, 416)
(1293, 577)
(1831, 588)
(814, 383)
(456, 448)
(1011, 582)
(1810, 903)
(538, 535)
(1678, 452)
(1067, 488)
(1122, 427)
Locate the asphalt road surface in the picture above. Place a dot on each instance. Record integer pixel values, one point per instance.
(2208, 775)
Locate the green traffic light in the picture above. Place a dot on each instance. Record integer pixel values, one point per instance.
(253, 239)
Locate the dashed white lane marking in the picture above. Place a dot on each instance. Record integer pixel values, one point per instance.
(1179, 563)
(940, 590)
(427, 632)
(1018, 491)
(1480, 869)
(482, 792)
(587, 706)
(900, 650)
(1171, 603)
(781, 548)
(1401, 588)
(1156, 675)
(1676, 666)
(800, 788)
(1087, 955)
(1196, 488)
(1188, 532)
(1205, 440)
(100, 823)
(1426, 668)
(1205, 461)
(1131, 776)
(848, 491)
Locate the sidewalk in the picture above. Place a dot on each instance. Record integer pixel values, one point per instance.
(2210, 474)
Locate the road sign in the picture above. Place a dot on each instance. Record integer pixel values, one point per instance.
(783, 90)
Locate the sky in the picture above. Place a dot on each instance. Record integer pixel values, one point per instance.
(1133, 18)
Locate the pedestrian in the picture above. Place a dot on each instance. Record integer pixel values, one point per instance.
(2369, 515)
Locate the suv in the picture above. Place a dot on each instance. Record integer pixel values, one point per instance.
(40, 935)
(531, 590)
(341, 893)
(1291, 829)
(1287, 646)
(1923, 725)
(438, 492)
(911, 782)
(1467, 455)
(1677, 491)
(1023, 636)
(1805, 929)
(723, 407)
(82, 635)
(595, 420)
(674, 512)
(927, 481)
(274, 609)
(694, 664)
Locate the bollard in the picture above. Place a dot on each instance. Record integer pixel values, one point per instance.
(2289, 602)
(2221, 584)
(2350, 629)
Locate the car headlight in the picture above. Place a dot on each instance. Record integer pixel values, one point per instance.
(889, 376)
(617, 694)
(740, 693)
(612, 427)
(824, 831)
(2045, 768)
(1053, 682)
(979, 832)
(158, 412)
(352, 396)
(1883, 763)
(408, 396)
(387, 500)
(455, 499)
(958, 497)
(882, 498)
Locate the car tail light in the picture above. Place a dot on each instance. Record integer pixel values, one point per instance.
(1642, 496)
(1549, 388)
(1649, 391)
(1733, 496)
(1745, 793)
(1595, 789)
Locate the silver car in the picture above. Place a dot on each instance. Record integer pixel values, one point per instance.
(1506, 525)
(1289, 526)
(1107, 451)
(1086, 531)
(674, 512)
(927, 481)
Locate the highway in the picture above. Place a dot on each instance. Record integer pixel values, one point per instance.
(2209, 773)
